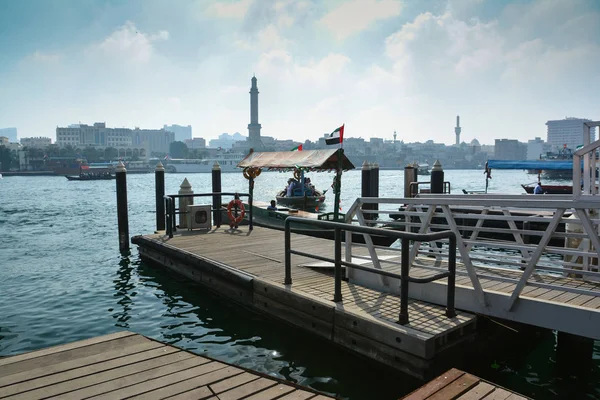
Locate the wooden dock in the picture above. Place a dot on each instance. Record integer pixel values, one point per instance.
(248, 267)
(459, 385)
(128, 365)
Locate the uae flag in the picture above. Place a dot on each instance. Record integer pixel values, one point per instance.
(297, 148)
(336, 136)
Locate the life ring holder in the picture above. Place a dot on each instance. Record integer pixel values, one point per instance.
(235, 221)
(297, 174)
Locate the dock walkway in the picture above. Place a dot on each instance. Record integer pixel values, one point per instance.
(459, 385)
(128, 365)
(249, 268)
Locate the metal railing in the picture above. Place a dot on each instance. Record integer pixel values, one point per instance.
(171, 211)
(414, 187)
(549, 234)
(405, 278)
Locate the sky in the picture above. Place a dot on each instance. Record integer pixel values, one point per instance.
(377, 66)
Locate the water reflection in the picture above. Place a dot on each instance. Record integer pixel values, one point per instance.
(124, 290)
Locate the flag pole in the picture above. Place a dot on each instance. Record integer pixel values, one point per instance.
(338, 184)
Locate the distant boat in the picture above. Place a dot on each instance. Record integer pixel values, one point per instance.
(423, 169)
(90, 177)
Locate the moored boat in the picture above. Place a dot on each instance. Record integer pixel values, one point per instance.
(301, 194)
(90, 177)
(549, 189)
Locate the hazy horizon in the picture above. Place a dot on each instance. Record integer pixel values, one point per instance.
(379, 66)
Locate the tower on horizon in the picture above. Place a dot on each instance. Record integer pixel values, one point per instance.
(457, 130)
(254, 127)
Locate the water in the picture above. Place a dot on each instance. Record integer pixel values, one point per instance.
(63, 279)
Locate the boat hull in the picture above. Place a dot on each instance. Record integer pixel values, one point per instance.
(550, 189)
(276, 220)
(97, 178)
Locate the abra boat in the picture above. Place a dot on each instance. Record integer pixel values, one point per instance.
(275, 219)
(549, 189)
(301, 194)
(85, 177)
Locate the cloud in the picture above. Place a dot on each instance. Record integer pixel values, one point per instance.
(355, 16)
(41, 57)
(229, 9)
(129, 43)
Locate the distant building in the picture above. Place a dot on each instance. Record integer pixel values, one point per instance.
(226, 141)
(182, 133)
(10, 133)
(567, 134)
(535, 148)
(4, 141)
(36, 142)
(194, 143)
(155, 141)
(509, 149)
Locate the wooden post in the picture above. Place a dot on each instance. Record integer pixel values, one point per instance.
(184, 202)
(338, 185)
(159, 186)
(409, 177)
(122, 217)
(366, 187)
(375, 187)
(437, 178)
(216, 188)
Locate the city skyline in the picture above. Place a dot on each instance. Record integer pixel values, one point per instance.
(378, 66)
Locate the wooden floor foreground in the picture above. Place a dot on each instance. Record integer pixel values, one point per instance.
(127, 365)
(456, 384)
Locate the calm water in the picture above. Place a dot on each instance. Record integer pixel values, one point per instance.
(63, 279)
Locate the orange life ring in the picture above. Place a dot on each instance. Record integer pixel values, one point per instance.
(297, 174)
(235, 220)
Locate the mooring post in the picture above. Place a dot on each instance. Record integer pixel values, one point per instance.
(437, 178)
(409, 177)
(159, 186)
(366, 187)
(122, 217)
(184, 202)
(216, 188)
(375, 187)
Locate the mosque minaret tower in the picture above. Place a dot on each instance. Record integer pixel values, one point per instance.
(254, 126)
(457, 130)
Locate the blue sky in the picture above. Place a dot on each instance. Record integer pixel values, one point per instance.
(378, 66)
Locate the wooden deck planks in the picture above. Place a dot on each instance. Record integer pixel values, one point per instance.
(255, 254)
(459, 385)
(146, 369)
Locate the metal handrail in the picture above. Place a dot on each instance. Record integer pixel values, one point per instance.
(405, 237)
(171, 211)
(415, 186)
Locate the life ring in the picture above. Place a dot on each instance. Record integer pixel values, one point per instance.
(235, 220)
(297, 174)
(251, 172)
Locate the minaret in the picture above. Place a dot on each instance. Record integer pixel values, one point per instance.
(254, 126)
(457, 130)
(394, 136)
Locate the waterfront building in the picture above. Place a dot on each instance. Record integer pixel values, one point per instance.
(9, 133)
(194, 143)
(567, 134)
(535, 148)
(182, 133)
(509, 149)
(37, 142)
(226, 141)
(155, 141)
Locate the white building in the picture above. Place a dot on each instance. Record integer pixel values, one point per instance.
(567, 133)
(97, 135)
(10, 133)
(535, 148)
(36, 142)
(181, 132)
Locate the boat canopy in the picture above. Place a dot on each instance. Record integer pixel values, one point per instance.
(531, 164)
(311, 160)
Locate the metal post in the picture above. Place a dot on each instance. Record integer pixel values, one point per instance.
(288, 256)
(450, 311)
(408, 179)
(159, 186)
(173, 216)
(169, 217)
(337, 297)
(437, 178)
(216, 188)
(122, 217)
(403, 317)
(251, 192)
